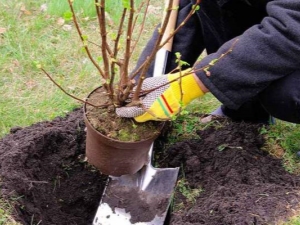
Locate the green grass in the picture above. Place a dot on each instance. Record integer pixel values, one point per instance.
(25, 91)
(27, 96)
(85, 8)
(186, 124)
(293, 221)
(5, 212)
(285, 136)
(189, 193)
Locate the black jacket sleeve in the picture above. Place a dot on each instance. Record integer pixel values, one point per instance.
(262, 54)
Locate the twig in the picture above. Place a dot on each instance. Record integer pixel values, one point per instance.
(100, 9)
(83, 41)
(37, 181)
(181, 24)
(180, 81)
(213, 62)
(146, 65)
(137, 71)
(116, 49)
(124, 75)
(142, 25)
(206, 67)
(107, 48)
(145, 92)
(70, 95)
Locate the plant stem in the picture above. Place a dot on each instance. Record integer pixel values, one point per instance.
(146, 65)
(116, 49)
(181, 24)
(83, 41)
(70, 95)
(127, 53)
(142, 25)
(100, 9)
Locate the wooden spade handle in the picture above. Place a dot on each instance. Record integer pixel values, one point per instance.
(171, 24)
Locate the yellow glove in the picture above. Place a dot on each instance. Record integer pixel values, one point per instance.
(166, 101)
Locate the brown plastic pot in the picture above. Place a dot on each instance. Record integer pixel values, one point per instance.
(113, 157)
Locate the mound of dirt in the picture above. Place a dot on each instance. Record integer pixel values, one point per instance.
(42, 166)
(241, 184)
(44, 174)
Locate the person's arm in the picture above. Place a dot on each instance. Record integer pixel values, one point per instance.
(263, 53)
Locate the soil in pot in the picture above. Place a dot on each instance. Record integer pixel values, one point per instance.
(104, 120)
(43, 173)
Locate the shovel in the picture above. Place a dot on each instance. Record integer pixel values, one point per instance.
(147, 194)
(142, 198)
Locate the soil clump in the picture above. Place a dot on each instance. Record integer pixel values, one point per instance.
(44, 174)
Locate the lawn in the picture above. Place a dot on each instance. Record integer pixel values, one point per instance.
(38, 31)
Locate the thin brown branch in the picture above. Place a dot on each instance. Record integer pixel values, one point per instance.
(136, 72)
(137, 12)
(83, 41)
(100, 9)
(124, 75)
(142, 25)
(145, 92)
(109, 52)
(70, 95)
(181, 24)
(213, 62)
(180, 80)
(116, 49)
(193, 70)
(150, 58)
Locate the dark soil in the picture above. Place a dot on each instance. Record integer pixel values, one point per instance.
(142, 205)
(43, 172)
(43, 167)
(241, 183)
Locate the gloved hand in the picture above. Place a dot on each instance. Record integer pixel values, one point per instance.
(166, 101)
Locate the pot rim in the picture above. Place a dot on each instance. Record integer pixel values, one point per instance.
(115, 140)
